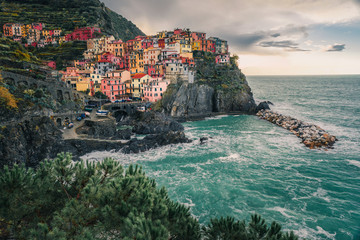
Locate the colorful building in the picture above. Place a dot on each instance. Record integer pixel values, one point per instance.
(83, 34)
(137, 81)
(154, 90)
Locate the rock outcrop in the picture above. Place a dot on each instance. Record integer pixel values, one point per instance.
(200, 99)
(31, 140)
(311, 135)
(28, 141)
(103, 130)
(217, 89)
(152, 123)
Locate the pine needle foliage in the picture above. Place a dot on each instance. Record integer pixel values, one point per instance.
(62, 199)
(83, 200)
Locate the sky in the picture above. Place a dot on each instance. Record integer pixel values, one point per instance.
(271, 37)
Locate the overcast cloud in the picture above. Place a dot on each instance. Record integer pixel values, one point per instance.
(256, 27)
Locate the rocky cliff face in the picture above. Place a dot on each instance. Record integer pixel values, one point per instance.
(29, 141)
(200, 98)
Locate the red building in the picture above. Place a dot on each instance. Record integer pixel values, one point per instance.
(189, 61)
(82, 34)
(150, 70)
(210, 46)
(161, 43)
(147, 43)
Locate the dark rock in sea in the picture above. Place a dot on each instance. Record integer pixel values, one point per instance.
(155, 140)
(123, 134)
(263, 106)
(203, 140)
(79, 147)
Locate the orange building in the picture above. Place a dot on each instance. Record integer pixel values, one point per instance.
(8, 30)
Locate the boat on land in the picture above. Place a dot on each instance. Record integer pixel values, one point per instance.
(102, 113)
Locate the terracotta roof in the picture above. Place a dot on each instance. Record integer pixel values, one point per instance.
(139, 75)
(101, 61)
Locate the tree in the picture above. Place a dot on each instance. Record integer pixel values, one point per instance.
(100, 95)
(66, 200)
(63, 199)
(229, 229)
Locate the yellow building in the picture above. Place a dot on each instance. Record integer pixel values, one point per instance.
(196, 45)
(84, 85)
(186, 54)
(137, 82)
(139, 62)
(45, 33)
(161, 35)
(62, 39)
(117, 48)
(25, 30)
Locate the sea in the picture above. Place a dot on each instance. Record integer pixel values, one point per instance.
(252, 166)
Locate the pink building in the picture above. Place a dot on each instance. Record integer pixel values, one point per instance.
(113, 84)
(222, 59)
(51, 64)
(110, 58)
(198, 36)
(154, 91)
(38, 26)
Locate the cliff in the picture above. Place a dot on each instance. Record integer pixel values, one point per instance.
(28, 141)
(68, 14)
(217, 89)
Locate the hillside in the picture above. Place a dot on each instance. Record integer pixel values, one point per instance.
(68, 14)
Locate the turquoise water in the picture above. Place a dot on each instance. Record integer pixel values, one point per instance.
(250, 165)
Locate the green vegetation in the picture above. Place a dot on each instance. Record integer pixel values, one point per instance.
(13, 55)
(62, 199)
(226, 78)
(60, 53)
(67, 15)
(100, 95)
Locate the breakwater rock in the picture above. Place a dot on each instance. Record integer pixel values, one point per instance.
(311, 135)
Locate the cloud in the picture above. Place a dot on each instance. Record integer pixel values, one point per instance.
(275, 35)
(288, 45)
(335, 48)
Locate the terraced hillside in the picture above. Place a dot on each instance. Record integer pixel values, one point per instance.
(68, 14)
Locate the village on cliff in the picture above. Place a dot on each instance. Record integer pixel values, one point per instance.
(138, 69)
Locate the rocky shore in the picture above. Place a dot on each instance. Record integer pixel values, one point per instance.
(311, 135)
(31, 140)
